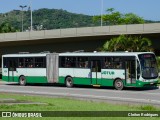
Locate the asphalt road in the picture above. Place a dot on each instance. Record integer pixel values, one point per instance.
(129, 95)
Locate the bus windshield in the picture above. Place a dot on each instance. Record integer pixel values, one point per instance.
(148, 66)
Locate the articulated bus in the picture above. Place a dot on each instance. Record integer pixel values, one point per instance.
(117, 69)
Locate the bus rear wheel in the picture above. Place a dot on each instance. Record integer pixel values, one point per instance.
(118, 84)
(22, 81)
(69, 82)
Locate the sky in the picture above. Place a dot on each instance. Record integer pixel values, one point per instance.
(148, 9)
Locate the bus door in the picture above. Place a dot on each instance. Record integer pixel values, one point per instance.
(11, 69)
(96, 72)
(130, 70)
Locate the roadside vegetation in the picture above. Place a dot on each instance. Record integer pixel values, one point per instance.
(158, 61)
(113, 17)
(46, 19)
(6, 28)
(128, 43)
(66, 104)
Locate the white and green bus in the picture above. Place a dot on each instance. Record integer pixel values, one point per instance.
(118, 69)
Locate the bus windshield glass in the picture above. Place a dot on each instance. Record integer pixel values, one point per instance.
(148, 66)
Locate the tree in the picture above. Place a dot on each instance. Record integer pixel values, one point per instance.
(115, 44)
(6, 28)
(114, 17)
(141, 44)
(131, 18)
(128, 43)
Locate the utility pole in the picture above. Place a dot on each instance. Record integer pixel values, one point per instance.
(31, 14)
(21, 6)
(102, 12)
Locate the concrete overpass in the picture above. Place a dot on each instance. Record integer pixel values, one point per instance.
(72, 39)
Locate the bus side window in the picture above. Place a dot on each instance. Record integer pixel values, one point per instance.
(20, 62)
(62, 62)
(5, 62)
(70, 62)
(67, 62)
(117, 63)
(28, 62)
(82, 62)
(86, 64)
(40, 62)
(108, 63)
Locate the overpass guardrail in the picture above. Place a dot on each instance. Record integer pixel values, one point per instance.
(80, 32)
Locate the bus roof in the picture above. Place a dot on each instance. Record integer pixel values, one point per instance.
(79, 54)
(104, 54)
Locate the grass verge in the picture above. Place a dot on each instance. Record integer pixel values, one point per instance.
(66, 104)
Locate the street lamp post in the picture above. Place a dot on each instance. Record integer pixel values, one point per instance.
(31, 14)
(21, 6)
(102, 12)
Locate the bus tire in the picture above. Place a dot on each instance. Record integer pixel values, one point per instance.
(69, 82)
(118, 84)
(22, 81)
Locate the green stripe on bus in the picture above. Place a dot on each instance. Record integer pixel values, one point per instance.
(30, 79)
(37, 79)
(89, 81)
(77, 81)
(10, 79)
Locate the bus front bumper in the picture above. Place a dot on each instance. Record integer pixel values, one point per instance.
(143, 84)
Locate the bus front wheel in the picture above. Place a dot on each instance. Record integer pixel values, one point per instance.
(118, 84)
(69, 82)
(22, 81)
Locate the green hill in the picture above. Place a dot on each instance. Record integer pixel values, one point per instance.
(47, 19)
